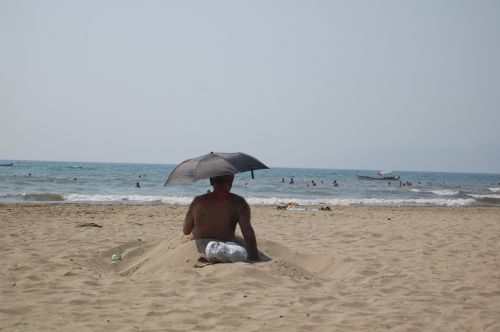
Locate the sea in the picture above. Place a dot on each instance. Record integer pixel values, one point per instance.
(119, 183)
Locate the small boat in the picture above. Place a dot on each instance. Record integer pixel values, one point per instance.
(9, 164)
(385, 178)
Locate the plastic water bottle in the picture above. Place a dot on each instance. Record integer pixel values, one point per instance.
(225, 252)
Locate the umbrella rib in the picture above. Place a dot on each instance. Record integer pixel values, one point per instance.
(198, 165)
(221, 157)
(237, 170)
(176, 167)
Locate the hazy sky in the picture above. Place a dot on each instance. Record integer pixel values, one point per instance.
(408, 85)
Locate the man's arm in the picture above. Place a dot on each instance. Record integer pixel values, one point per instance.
(248, 233)
(189, 220)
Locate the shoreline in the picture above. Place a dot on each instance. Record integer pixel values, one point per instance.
(354, 268)
(258, 205)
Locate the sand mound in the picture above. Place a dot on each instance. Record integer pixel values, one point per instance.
(320, 265)
(146, 258)
(143, 260)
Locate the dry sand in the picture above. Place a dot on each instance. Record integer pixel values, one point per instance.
(349, 269)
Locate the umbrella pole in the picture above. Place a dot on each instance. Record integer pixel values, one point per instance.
(252, 174)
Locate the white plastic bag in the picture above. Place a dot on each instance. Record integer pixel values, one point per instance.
(225, 252)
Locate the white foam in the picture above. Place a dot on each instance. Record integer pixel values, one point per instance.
(445, 192)
(267, 200)
(492, 196)
(186, 200)
(42, 197)
(495, 189)
(128, 198)
(441, 192)
(364, 201)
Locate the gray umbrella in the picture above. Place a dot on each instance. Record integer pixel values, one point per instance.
(211, 165)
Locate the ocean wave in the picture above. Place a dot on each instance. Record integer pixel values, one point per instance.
(44, 197)
(445, 192)
(490, 197)
(183, 200)
(186, 200)
(495, 189)
(364, 201)
(439, 192)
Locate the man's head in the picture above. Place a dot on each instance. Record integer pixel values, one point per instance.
(222, 180)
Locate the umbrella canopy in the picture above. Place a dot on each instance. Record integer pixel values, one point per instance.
(211, 165)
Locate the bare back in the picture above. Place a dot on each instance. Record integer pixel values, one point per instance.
(215, 215)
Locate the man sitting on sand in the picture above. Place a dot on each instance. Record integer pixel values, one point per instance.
(214, 215)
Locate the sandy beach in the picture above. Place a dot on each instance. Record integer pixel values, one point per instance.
(354, 268)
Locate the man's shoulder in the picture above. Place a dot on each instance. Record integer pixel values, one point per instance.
(239, 200)
(228, 196)
(201, 197)
(236, 196)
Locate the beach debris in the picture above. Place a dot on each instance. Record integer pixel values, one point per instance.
(88, 224)
(288, 206)
(201, 262)
(116, 257)
(292, 206)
